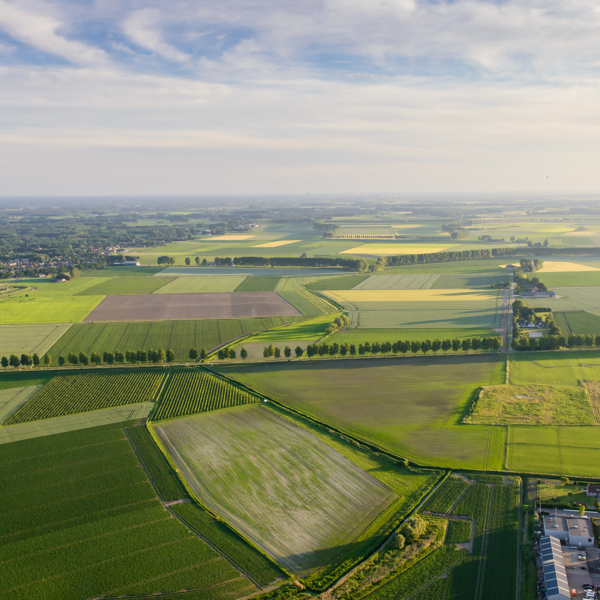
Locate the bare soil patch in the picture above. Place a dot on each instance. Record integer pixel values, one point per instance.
(191, 306)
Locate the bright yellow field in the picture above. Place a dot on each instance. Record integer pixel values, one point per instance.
(565, 267)
(232, 238)
(411, 295)
(277, 244)
(393, 249)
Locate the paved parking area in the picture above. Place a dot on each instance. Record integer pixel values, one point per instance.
(578, 576)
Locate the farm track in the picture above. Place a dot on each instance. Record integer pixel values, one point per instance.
(484, 544)
(167, 507)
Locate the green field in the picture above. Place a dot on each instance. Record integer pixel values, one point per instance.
(180, 336)
(454, 281)
(258, 284)
(483, 267)
(192, 391)
(459, 532)
(46, 288)
(81, 520)
(410, 406)
(360, 336)
(202, 285)
(554, 368)
(531, 405)
(69, 394)
(446, 495)
(396, 282)
(126, 286)
(308, 303)
(571, 298)
(13, 398)
(30, 339)
(577, 279)
(258, 485)
(346, 282)
(123, 272)
(578, 322)
(19, 310)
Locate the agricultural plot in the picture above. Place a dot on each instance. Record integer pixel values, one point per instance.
(338, 283)
(191, 306)
(277, 244)
(291, 284)
(392, 249)
(466, 267)
(455, 281)
(85, 494)
(446, 495)
(30, 339)
(557, 368)
(208, 284)
(396, 282)
(193, 391)
(180, 336)
(69, 309)
(572, 299)
(555, 266)
(577, 279)
(578, 323)
(87, 420)
(301, 513)
(309, 304)
(363, 299)
(459, 532)
(69, 394)
(257, 284)
(12, 399)
(46, 288)
(248, 271)
(121, 286)
(410, 406)
(531, 405)
(142, 271)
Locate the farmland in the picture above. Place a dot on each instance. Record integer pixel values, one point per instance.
(159, 307)
(459, 532)
(114, 536)
(123, 272)
(258, 284)
(66, 309)
(579, 322)
(202, 285)
(337, 283)
(396, 282)
(398, 248)
(573, 298)
(235, 445)
(29, 339)
(180, 336)
(410, 406)
(12, 399)
(358, 297)
(192, 391)
(69, 394)
(308, 303)
(126, 286)
(446, 495)
(556, 266)
(531, 405)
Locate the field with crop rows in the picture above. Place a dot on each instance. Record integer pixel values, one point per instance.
(123, 286)
(459, 532)
(12, 399)
(454, 281)
(396, 282)
(307, 303)
(69, 394)
(30, 339)
(572, 299)
(193, 391)
(554, 368)
(202, 284)
(346, 282)
(446, 495)
(180, 336)
(80, 520)
(362, 298)
(258, 284)
(259, 486)
(67, 309)
(579, 322)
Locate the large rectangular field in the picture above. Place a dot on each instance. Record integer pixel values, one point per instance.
(293, 496)
(208, 284)
(191, 306)
(410, 406)
(67, 309)
(119, 286)
(397, 282)
(356, 297)
(392, 249)
(264, 272)
(571, 298)
(30, 339)
(180, 336)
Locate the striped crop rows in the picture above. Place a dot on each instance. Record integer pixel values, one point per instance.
(194, 391)
(69, 394)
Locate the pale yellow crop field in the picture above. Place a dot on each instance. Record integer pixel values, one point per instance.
(412, 295)
(232, 238)
(565, 267)
(276, 244)
(583, 233)
(394, 249)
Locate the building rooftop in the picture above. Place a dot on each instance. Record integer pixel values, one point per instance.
(555, 576)
(580, 527)
(556, 524)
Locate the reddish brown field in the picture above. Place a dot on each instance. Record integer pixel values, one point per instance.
(191, 306)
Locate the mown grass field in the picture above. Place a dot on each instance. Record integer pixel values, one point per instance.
(180, 336)
(86, 494)
(556, 266)
(30, 339)
(554, 368)
(485, 266)
(531, 405)
(66, 309)
(202, 284)
(579, 322)
(412, 406)
(580, 279)
(298, 512)
(191, 391)
(308, 303)
(69, 394)
(258, 284)
(454, 281)
(124, 286)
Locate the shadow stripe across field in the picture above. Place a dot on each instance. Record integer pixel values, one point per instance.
(191, 306)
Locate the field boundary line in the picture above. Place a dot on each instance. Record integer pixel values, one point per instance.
(460, 497)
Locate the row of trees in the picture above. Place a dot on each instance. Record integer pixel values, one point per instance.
(274, 352)
(25, 360)
(555, 342)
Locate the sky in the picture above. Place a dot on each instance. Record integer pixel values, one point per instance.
(141, 97)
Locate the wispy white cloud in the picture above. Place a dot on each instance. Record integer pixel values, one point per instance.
(142, 28)
(36, 27)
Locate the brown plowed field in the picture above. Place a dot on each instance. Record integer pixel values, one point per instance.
(191, 306)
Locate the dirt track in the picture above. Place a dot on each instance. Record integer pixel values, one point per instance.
(191, 306)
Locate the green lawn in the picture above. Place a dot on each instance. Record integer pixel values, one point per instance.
(73, 309)
(127, 286)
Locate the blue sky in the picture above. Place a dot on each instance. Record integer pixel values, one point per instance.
(265, 96)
